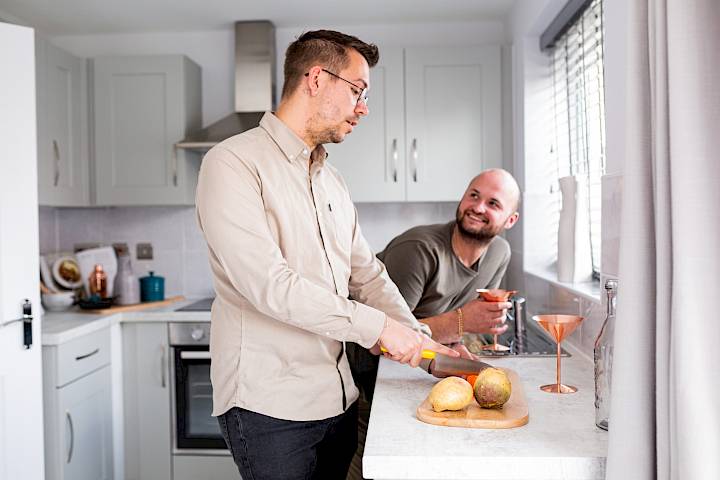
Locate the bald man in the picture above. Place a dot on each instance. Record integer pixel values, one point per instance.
(438, 267)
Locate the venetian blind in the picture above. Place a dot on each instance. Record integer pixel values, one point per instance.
(578, 147)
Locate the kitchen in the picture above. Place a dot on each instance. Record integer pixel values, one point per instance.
(95, 211)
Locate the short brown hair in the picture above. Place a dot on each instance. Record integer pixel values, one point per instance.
(323, 47)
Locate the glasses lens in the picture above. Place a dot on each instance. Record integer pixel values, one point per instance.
(364, 96)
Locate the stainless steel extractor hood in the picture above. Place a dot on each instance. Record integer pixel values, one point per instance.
(254, 86)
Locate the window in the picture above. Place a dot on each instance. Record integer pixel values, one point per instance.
(575, 44)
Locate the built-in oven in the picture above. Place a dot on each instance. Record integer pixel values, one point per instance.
(195, 430)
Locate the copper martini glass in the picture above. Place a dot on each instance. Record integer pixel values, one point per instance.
(495, 295)
(559, 327)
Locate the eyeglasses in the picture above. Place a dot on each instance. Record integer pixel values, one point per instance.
(362, 93)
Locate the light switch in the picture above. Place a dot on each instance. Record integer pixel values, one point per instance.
(144, 251)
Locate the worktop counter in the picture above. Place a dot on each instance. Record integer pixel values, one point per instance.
(560, 440)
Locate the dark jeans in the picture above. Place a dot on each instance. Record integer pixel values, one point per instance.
(267, 448)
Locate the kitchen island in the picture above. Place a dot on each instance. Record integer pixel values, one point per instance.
(560, 440)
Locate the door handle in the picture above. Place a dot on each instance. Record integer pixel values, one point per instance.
(414, 158)
(195, 355)
(162, 366)
(56, 163)
(68, 417)
(26, 320)
(175, 167)
(394, 157)
(83, 357)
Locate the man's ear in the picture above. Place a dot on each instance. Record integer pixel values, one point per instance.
(312, 80)
(511, 220)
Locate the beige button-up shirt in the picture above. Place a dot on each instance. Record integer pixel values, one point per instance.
(286, 251)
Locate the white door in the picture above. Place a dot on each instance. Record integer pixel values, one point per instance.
(21, 406)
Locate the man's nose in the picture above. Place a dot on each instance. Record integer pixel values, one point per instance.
(361, 108)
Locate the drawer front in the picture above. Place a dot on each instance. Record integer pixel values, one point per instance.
(82, 355)
(192, 467)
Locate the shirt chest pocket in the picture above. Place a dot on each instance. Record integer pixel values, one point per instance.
(341, 221)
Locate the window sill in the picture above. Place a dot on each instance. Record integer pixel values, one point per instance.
(587, 290)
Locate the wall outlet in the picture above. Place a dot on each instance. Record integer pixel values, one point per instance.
(144, 251)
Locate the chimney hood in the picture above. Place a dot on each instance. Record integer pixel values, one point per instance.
(254, 86)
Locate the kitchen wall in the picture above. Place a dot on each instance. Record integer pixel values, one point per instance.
(180, 254)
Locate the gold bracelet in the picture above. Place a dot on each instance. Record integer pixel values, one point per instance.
(460, 322)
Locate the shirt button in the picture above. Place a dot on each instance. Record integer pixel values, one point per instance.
(305, 152)
(291, 157)
(327, 333)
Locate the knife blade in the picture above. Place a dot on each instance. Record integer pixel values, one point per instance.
(443, 366)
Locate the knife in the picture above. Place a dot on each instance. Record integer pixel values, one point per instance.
(442, 366)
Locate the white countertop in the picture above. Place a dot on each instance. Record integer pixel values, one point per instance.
(58, 328)
(560, 441)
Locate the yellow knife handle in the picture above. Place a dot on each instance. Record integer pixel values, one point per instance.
(429, 354)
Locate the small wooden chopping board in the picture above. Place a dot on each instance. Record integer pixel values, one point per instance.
(134, 307)
(513, 414)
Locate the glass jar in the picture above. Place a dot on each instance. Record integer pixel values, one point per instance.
(603, 356)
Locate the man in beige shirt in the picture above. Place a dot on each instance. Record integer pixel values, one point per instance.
(286, 253)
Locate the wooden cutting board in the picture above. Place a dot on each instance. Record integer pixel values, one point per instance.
(134, 307)
(513, 414)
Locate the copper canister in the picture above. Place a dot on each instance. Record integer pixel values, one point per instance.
(98, 282)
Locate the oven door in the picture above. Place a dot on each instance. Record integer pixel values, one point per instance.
(195, 428)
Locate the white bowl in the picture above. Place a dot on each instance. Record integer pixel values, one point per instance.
(58, 302)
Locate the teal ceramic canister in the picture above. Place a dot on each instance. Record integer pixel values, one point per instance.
(152, 288)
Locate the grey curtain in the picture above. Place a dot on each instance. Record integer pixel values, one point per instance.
(664, 421)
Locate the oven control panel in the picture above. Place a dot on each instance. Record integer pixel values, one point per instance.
(187, 333)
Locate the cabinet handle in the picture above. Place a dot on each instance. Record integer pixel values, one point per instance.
(174, 167)
(83, 357)
(414, 158)
(394, 157)
(162, 366)
(56, 163)
(72, 436)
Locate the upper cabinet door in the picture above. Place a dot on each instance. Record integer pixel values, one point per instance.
(453, 119)
(371, 157)
(143, 105)
(62, 127)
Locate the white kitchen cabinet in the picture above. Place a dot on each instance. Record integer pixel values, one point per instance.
(142, 106)
(146, 400)
(63, 167)
(434, 123)
(78, 409)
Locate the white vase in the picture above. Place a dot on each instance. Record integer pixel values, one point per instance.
(574, 263)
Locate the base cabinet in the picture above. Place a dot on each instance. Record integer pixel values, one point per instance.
(78, 409)
(85, 418)
(146, 400)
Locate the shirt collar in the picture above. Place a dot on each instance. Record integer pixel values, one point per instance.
(289, 143)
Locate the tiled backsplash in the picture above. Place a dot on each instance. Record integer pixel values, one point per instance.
(180, 254)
